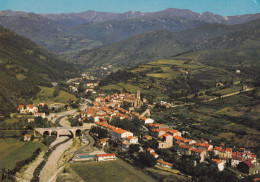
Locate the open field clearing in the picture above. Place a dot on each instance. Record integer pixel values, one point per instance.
(12, 151)
(111, 171)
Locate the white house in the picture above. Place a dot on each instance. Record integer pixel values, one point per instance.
(21, 109)
(148, 121)
(105, 157)
(119, 133)
(132, 140)
(219, 164)
(27, 137)
(164, 164)
(150, 150)
(32, 108)
(154, 154)
(42, 115)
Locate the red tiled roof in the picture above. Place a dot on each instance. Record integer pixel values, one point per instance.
(217, 148)
(256, 179)
(30, 106)
(154, 154)
(165, 163)
(27, 135)
(249, 164)
(130, 137)
(149, 149)
(119, 130)
(217, 161)
(173, 131)
(197, 151)
(177, 137)
(20, 107)
(229, 149)
(210, 149)
(185, 146)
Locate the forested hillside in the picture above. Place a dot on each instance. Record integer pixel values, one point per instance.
(24, 65)
(166, 44)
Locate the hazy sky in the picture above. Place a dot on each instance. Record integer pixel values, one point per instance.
(222, 7)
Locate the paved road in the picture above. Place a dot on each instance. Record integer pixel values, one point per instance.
(57, 121)
(88, 148)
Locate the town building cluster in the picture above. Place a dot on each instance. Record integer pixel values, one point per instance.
(106, 108)
(32, 109)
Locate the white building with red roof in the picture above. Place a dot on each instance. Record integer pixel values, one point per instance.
(132, 139)
(105, 157)
(21, 109)
(32, 109)
(119, 133)
(164, 164)
(219, 164)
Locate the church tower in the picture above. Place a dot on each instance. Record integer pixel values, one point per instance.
(138, 95)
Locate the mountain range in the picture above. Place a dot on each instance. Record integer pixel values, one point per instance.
(72, 32)
(165, 44)
(72, 19)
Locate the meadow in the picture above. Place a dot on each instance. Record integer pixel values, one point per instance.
(13, 150)
(46, 95)
(109, 171)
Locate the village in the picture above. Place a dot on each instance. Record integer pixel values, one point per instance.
(123, 107)
(105, 109)
(133, 130)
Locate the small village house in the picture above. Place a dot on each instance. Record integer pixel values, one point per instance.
(219, 164)
(105, 157)
(164, 164)
(27, 137)
(119, 133)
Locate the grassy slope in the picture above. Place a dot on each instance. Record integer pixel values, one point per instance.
(159, 72)
(46, 95)
(110, 170)
(12, 151)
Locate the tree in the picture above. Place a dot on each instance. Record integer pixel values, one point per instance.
(56, 91)
(133, 148)
(147, 159)
(81, 88)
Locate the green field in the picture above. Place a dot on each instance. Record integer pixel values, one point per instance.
(172, 79)
(109, 171)
(46, 95)
(12, 151)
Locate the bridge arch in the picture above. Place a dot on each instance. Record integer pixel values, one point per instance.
(46, 132)
(54, 133)
(78, 132)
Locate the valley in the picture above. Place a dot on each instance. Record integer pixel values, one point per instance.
(172, 95)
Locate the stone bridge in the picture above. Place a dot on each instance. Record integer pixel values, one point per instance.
(64, 130)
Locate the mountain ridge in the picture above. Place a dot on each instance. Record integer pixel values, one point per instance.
(164, 44)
